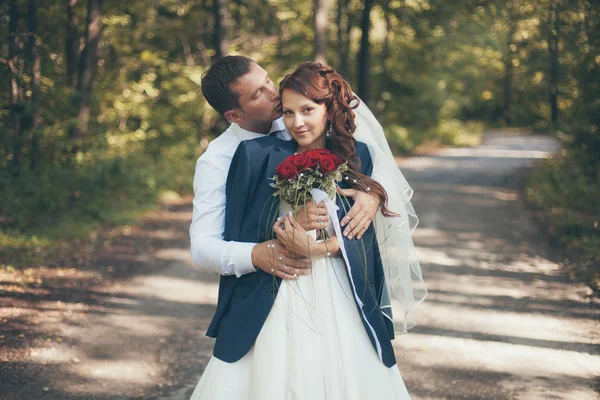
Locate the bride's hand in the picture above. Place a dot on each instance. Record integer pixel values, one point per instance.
(293, 237)
(360, 216)
(312, 216)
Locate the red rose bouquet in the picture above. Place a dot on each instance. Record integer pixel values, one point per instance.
(297, 175)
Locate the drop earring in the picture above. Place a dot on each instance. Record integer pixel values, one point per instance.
(329, 131)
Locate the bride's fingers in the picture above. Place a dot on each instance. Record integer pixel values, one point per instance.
(351, 220)
(294, 271)
(288, 223)
(346, 192)
(357, 225)
(284, 275)
(321, 209)
(298, 264)
(361, 227)
(292, 255)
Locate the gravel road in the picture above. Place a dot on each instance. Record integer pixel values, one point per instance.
(502, 320)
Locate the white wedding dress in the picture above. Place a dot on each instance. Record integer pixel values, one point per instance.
(313, 346)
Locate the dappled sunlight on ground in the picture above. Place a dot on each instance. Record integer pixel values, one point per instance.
(500, 306)
(502, 320)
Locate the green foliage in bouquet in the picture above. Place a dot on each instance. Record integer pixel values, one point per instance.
(297, 175)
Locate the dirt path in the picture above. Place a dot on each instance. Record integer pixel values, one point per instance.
(501, 321)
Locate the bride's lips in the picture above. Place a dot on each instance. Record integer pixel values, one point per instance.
(300, 133)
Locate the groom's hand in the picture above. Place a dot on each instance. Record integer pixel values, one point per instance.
(312, 216)
(361, 214)
(274, 259)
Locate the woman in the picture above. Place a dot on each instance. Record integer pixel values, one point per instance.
(322, 336)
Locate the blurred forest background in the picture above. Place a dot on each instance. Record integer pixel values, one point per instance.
(101, 110)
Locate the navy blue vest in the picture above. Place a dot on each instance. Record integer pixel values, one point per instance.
(244, 303)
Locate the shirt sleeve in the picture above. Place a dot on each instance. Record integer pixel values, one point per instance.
(208, 248)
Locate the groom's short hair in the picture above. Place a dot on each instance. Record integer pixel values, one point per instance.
(216, 81)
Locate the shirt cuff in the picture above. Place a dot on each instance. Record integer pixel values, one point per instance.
(242, 259)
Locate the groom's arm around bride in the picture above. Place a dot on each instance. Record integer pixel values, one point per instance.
(242, 91)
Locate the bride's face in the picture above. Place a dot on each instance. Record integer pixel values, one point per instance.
(304, 119)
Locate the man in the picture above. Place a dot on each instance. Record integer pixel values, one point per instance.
(242, 91)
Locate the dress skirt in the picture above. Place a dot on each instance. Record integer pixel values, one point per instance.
(313, 346)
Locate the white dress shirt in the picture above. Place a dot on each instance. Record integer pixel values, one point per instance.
(209, 250)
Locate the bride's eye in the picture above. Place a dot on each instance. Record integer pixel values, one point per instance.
(308, 109)
(287, 112)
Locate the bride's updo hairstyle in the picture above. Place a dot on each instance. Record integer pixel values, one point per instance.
(323, 85)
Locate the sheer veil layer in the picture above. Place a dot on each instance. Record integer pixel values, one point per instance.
(405, 287)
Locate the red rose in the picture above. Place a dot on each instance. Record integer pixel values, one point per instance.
(313, 157)
(322, 152)
(302, 162)
(327, 164)
(286, 170)
(336, 160)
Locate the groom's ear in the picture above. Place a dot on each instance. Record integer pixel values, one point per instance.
(234, 115)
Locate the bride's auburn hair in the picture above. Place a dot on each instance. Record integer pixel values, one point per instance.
(323, 85)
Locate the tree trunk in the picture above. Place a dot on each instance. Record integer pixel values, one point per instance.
(72, 44)
(13, 53)
(385, 53)
(508, 66)
(15, 65)
(364, 57)
(321, 21)
(553, 51)
(342, 23)
(88, 66)
(221, 14)
(36, 75)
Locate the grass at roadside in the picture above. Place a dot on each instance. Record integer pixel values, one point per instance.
(60, 242)
(568, 199)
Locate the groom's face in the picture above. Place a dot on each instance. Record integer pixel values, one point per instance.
(258, 97)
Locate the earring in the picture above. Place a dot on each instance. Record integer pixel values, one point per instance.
(329, 131)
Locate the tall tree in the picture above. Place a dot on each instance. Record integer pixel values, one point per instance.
(88, 63)
(343, 23)
(510, 49)
(364, 59)
(553, 42)
(321, 22)
(72, 44)
(385, 54)
(222, 25)
(15, 65)
(36, 77)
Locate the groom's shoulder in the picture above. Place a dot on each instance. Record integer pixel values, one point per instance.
(222, 146)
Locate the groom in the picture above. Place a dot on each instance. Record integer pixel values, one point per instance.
(242, 91)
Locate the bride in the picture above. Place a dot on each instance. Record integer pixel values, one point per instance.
(327, 335)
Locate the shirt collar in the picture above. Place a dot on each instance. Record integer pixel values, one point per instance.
(244, 134)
